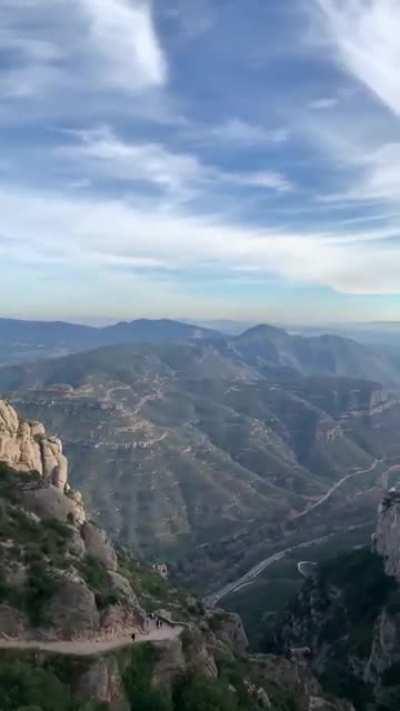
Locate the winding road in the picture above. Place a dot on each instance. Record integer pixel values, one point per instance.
(214, 598)
(335, 487)
(90, 647)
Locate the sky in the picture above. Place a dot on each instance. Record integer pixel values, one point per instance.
(200, 159)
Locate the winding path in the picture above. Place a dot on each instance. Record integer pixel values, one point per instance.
(335, 487)
(249, 577)
(90, 647)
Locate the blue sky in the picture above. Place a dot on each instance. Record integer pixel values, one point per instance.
(199, 158)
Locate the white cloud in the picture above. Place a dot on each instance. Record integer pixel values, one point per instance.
(242, 133)
(365, 35)
(104, 235)
(105, 154)
(323, 104)
(262, 179)
(101, 152)
(123, 35)
(380, 179)
(365, 152)
(84, 45)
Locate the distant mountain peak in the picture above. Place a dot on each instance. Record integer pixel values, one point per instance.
(263, 329)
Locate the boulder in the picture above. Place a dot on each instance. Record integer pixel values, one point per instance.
(73, 612)
(50, 502)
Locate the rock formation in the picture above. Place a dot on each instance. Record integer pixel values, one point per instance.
(25, 446)
(52, 540)
(387, 538)
(348, 615)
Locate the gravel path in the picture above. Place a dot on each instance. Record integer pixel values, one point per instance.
(90, 647)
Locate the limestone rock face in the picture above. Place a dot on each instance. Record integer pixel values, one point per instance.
(85, 595)
(25, 446)
(98, 546)
(49, 502)
(387, 538)
(228, 628)
(73, 610)
(103, 684)
(170, 665)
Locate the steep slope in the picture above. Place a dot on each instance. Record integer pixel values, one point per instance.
(348, 614)
(69, 603)
(187, 451)
(270, 348)
(59, 574)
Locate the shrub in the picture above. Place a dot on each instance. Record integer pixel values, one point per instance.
(22, 685)
(40, 589)
(97, 578)
(137, 680)
(200, 694)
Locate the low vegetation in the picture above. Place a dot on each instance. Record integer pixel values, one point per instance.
(98, 580)
(190, 693)
(25, 686)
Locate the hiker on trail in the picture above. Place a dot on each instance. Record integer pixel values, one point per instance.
(133, 636)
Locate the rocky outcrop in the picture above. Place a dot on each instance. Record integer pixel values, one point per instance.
(275, 672)
(347, 616)
(98, 546)
(46, 501)
(59, 570)
(73, 611)
(228, 629)
(25, 446)
(102, 683)
(387, 538)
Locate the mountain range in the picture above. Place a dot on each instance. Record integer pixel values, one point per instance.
(206, 450)
(28, 340)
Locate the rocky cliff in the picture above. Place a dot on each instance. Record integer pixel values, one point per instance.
(59, 573)
(69, 603)
(387, 538)
(25, 446)
(347, 616)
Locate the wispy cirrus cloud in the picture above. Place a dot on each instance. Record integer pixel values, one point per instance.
(241, 133)
(101, 152)
(114, 43)
(115, 235)
(365, 33)
(323, 104)
(155, 145)
(123, 35)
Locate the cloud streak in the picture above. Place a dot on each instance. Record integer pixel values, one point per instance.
(114, 43)
(123, 35)
(100, 152)
(365, 33)
(109, 235)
